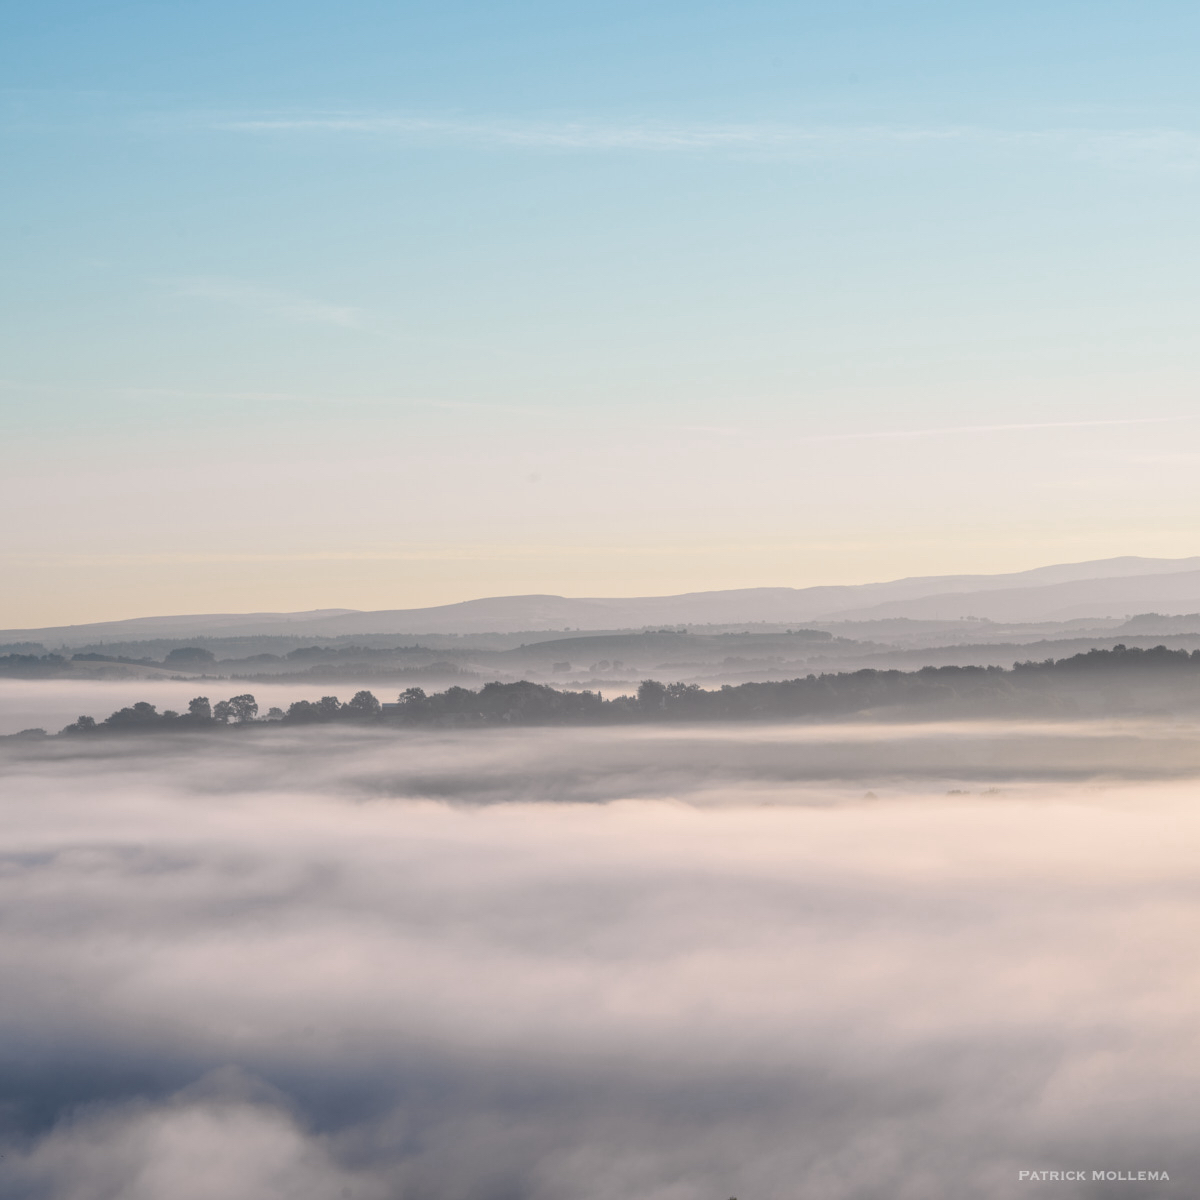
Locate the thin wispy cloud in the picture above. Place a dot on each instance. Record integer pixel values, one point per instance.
(1110, 147)
(1016, 427)
(270, 302)
(944, 430)
(484, 406)
(564, 135)
(134, 393)
(1172, 149)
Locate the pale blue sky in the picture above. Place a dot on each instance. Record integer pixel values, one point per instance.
(379, 305)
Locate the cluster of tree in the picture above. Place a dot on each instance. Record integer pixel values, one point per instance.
(522, 703)
(201, 714)
(381, 666)
(331, 653)
(189, 656)
(42, 665)
(26, 666)
(144, 717)
(948, 690)
(830, 695)
(363, 706)
(1124, 658)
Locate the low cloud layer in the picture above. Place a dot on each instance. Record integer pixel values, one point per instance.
(337, 963)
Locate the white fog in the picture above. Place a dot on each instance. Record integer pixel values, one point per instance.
(837, 961)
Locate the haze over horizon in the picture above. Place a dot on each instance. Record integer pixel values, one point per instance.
(412, 303)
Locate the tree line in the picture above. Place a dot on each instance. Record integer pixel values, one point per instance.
(1042, 687)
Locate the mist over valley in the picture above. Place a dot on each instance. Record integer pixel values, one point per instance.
(839, 961)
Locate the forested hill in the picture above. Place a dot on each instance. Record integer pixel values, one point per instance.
(1119, 680)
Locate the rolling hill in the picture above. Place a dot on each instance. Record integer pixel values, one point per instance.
(1113, 587)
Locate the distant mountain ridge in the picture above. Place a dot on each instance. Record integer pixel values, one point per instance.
(1112, 587)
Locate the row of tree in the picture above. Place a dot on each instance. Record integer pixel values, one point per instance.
(1043, 687)
(237, 710)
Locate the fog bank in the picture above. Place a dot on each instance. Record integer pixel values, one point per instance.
(345, 963)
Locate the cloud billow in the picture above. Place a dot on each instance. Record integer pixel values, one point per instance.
(223, 979)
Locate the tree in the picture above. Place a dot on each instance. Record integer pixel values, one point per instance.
(200, 709)
(651, 694)
(328, 707)
(363, 706)
(245, 707)
(141, 714)
(236, 708)
(301, 711)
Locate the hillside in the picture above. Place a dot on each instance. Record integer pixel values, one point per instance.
(1105, 588)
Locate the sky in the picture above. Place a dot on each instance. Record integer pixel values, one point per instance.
(385, 305)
